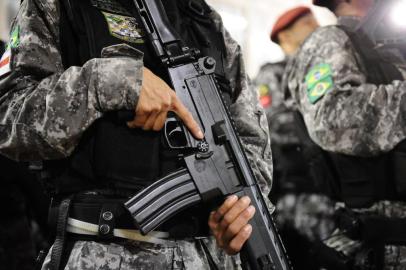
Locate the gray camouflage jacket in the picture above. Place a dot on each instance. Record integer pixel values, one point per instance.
(44, 109)
(344, 113)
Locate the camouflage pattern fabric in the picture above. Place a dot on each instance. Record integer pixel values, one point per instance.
(310, 214)
(280, 118)
(348, 115)
(44, 109)
(353, 117)
(128, 255)
(394, 255)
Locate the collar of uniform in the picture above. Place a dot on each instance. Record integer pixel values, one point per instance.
(112, 6)
(349, 21)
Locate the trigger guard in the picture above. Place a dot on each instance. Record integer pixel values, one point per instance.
(178, 129)
(170, 133)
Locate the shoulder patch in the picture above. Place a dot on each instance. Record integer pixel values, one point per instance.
(15, 37)
(319, 81)
(5, 60)
(124, 27)
(265, 97)
(263, 90)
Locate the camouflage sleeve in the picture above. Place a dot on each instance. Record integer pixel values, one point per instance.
(343, 112)
(248, 114)
(45, 109)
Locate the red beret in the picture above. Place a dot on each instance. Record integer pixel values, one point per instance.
(287, 19)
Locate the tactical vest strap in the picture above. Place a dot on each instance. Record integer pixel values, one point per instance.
(321, 168)
(378, 69)
(58, 247)
(357, 181)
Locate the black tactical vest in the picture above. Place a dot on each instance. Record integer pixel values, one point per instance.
(110, 155)
(359, 181)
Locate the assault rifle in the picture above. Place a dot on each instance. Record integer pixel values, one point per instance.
(216, 167)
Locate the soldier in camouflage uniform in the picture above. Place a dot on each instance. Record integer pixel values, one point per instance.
(23, 204)
(56, 92)
(302, 214)
(357, 118)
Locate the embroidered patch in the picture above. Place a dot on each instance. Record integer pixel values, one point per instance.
(319, 90)
(5, 67)
(15, 37)
(263, 90)
(319, 81)
(265, 96)
(124, 27)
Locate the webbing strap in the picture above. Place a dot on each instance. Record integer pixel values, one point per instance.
(57, 249)
(80, 227)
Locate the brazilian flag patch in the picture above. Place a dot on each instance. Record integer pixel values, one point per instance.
(15, 37)
(319, 81)
(5, 59)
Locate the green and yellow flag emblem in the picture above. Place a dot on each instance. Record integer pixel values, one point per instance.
(15, 37)
(319, 81)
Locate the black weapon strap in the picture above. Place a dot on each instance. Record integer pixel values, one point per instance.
(58, 247)
(378, 70)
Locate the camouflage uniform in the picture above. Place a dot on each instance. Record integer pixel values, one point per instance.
(297, 205)
(280, 120)
(45, 110)
(349, 116)
(20, 211)
(127, 255)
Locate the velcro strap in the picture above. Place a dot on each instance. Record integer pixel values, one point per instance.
(85, 228)
(112, 214)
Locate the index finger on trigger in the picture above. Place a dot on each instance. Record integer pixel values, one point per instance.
(187, 118)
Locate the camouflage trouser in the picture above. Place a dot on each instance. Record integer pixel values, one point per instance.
(394, 256)
(310, 214)
(129, 255)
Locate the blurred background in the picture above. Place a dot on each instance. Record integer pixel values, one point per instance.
(249, 22)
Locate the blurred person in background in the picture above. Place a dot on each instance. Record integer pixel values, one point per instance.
(350, 90)
(303, 215)
(23, 203)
